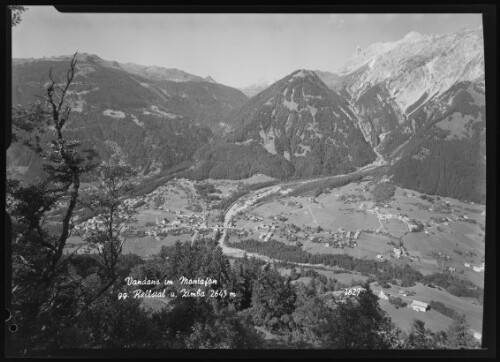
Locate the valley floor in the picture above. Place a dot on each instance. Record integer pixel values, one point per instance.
(344, 220)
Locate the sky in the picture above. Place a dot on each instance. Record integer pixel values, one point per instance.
(235, 49)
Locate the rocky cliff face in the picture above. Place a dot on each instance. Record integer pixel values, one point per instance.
(388, 82)
(417, 67)
(420, 104)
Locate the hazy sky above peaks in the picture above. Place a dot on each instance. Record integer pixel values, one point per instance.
(235, 49)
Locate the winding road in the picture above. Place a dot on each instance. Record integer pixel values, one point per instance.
(251, 198)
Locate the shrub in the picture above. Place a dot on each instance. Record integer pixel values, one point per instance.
(397, 302)
(443, 309)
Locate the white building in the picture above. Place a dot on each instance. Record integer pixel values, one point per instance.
(419, 306)
(383, 296)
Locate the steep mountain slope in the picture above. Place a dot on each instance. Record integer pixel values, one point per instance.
(332, 80)
(305, 128)
(109, 84)
(400, 90)
(156, 124)
(447, 155)
(392, 80)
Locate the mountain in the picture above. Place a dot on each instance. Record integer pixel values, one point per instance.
(401, 92)
(255, 88)
(296, 127)
(209, 79)
(332, 80)
(447, 154)
(159, 73)
(417, 67)
(418, 103)
(156, 123)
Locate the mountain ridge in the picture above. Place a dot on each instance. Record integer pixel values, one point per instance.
(299, 121)
(417, 102)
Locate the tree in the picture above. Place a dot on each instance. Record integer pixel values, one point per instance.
(16, 11)
(243, 274)
(459, 334)
(223, 330)
(420, 337)
(107, 200)
(40, 289)
(273, 300)
(311, 319)
(359, 323)
(113, 323)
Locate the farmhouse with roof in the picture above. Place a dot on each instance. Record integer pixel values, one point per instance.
(419, 306)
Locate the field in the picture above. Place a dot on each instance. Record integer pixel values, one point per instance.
(148, 245)
(433, 319)
(403, 317)
(345, 278)
(451, 228)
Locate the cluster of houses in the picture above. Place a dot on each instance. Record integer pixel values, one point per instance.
(281, 218)
(412, 224)
(442, 256)
(92, 224)
(416, 305)
(293, 204)
(399, 252)
(252, 217)
(266, 236)
(352, 198)
(154, 233)
(290, 232)
(183, 224)
(269, 231)
(339, 239)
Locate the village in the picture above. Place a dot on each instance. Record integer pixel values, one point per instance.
(187, 209)
(403, 230)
